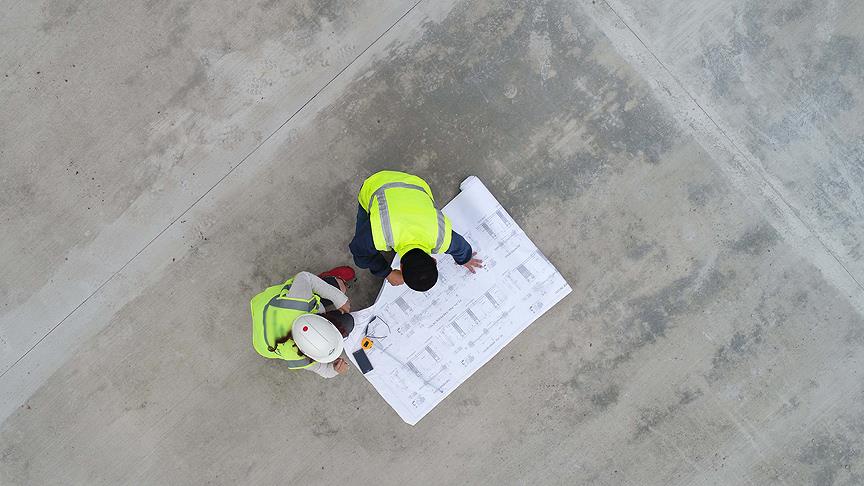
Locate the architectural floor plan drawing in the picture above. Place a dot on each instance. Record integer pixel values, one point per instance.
(426, 344)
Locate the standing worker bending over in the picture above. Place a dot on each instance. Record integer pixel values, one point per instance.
(397, 212)
(286, 323)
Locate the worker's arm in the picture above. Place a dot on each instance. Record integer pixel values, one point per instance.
(329, 370)
(323, 369)
(460, 249)
(363, 249)
(305, 284)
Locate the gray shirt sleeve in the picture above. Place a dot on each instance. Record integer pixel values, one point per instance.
(306, 283)
(323, 369)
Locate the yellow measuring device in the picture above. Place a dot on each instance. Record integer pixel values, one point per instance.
(367, 343)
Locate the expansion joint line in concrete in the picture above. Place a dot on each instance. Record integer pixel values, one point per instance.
(183, 213)
(732, 143)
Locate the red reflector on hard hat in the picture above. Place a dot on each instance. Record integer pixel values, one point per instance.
(305, 328)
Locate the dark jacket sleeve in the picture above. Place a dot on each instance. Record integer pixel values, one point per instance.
(460, 249)
(363, 249)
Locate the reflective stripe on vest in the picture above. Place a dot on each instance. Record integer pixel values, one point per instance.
(301, 305)
(441, 229)
(284, 303)
(298, 363)
(298, 305)
(384, 214)
(305, 306)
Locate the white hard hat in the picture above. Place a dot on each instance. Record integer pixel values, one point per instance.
(317, 338)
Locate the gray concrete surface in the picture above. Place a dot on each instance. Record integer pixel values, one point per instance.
(694, 171)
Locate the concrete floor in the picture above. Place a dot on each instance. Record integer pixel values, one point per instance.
(694, 169)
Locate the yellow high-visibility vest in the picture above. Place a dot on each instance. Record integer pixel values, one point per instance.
(273, 314)
(403, 214)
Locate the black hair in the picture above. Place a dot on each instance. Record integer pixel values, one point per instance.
(344, 323)
(419, 270)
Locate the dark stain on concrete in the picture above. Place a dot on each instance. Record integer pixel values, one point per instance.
(323, 428)
(310, 12)
(652, 313)
(13, 458)
(606, 398)
(792, 11)
(643, 321)
(564, 347)
(740, 345)
(196, 81)
(59, 12)
(855, 328)
(688, 395)
(176, 26)
(814, 86)
(756, 241)
(647, 319)
(831, 458)
(790, 405)
(823, 85)
(700, 194)
(723, 65)
(827, 94)
(296, 22)
(649, 418)
(468, 407)
(772, 310)
(494, 85)
(636, 250)
(652, 417)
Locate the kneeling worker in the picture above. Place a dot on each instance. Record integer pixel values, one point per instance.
(397, 212)
(288, 321)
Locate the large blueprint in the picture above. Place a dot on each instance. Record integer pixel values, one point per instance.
(435, 340)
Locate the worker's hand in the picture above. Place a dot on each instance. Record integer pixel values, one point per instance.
(473, 264)
(395, 278)
(341, 366)
(346, 307)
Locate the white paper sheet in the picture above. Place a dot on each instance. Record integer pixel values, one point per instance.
(437, 339)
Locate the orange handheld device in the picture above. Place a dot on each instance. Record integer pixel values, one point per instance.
(366, 343)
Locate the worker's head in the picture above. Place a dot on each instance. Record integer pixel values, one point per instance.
(317, 338)
(419, 270)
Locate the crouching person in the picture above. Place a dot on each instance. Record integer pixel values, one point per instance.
(290, 321)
